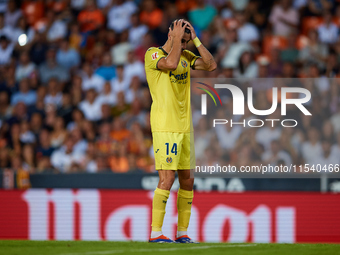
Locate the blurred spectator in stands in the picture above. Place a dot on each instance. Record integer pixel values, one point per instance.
(284, 18)
(90, 163)
(80, 144)
(65, 111)
(312, 147)
(25, 68)
(66, 159)
(103, 4)
(77, 119)
(104, 143)
(314, 52)
(275, 154)
(107, 96)
(150, 14)
(28, 158)
(54, 29)
(231, 49)
(119, 162)
(50, 68)
(134, 115)
(54, 95)
(25, 94)
(119, 15)
(33, 11)
(77, 40)
(328, 131)
(91, 106)
(289, 144)
(119, 132)
(147, 42)
(6, 50)
(26, 135)
(5, 108)
(203, 135)
(202, 15)
(320, 81)
(91, 18)
(160, 33)
(77, 5)
(120, 51)
(137, 31)
(316, 7)
(335, 151)
(36, 122)
(106, 70)
(59, 133)
(39, 105)
(4, 158)
(106, 114)
(38, 50)
(246, 31)
(133, 67)
(12, 14)
(266, 134)
(5, 30)
(276, 65)
(121, 105)
(326, 157)
(328, 31)
(22, 28)
(247, 68)
(120, 83)
(227, 135)
(67, 57)
(291, 53)
(135, 92)
(14, 138)
(90, 80)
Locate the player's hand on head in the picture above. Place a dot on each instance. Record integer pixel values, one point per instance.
(178, 30)
(192, 30)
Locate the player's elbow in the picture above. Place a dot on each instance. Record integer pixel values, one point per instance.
(212, 67)
(172, 66)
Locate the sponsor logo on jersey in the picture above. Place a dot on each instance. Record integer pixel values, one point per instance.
(181, 76)
(157, 150)
(169, 159)
(154, 55)
(184, 63)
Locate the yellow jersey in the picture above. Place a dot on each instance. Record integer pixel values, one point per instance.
(170, 92)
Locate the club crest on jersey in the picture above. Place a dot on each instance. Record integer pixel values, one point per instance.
(168, 159)
(154, 55)
(184, 63)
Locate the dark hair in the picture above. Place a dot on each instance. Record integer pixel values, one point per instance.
(187, 30)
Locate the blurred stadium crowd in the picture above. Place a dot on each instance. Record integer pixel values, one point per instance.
(73, 94)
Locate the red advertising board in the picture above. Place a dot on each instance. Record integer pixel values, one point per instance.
(91, 214)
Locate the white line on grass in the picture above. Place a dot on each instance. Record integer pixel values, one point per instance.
(162, 249)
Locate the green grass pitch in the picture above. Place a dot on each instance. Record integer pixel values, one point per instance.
(126, 248)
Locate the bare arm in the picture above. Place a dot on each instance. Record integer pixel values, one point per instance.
(172, 60)
(206, 62)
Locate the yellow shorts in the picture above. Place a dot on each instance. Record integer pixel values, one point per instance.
(174, 151)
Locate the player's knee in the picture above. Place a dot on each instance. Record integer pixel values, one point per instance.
(166, 183)
(187, 184)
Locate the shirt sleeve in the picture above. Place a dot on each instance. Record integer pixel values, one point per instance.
(152, 56)
(191, 58)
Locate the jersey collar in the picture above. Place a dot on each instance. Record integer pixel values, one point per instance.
(163, 50)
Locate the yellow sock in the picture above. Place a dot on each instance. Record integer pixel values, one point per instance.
(158, 208)
(184, 201)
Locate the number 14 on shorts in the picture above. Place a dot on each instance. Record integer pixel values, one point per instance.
(173, 148)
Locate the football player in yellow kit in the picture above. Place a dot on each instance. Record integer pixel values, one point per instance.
(168, 74)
